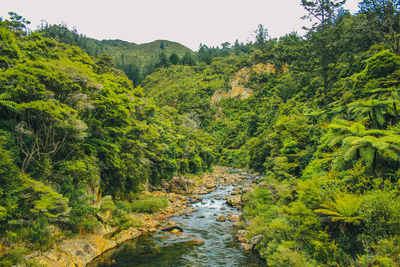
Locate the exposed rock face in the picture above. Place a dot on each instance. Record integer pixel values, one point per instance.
(80, 251)
(239, 80)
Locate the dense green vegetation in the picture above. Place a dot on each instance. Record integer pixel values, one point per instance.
(136, 60)
(322, 123)
(73, 129)
(318, 115)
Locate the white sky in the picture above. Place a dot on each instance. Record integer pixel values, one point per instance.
(189, 22)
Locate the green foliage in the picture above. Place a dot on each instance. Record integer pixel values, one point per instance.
(3, 213)
(136, 60)
(318, 115)
(43, 201)
(37, 232)
(148, 204)
(343, 207)
(382, 64)
(107, 204)
(357, 142)
(15, 256)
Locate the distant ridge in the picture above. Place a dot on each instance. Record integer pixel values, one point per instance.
(137, 60)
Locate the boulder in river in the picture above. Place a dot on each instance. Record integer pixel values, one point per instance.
(241, 236)
(246, 246)
(210, 186)
(247, 189)
(234, 201)
(173, 229)
(234, 218)
(196, 241)
(221, 218)
(234, 193)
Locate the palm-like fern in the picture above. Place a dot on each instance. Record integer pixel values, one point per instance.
(5, 102)
(343, 208)
(357, 142)
(374, 109)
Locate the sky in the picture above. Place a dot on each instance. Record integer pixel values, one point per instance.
(189, 22)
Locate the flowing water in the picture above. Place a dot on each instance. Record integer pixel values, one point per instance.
(169, 249)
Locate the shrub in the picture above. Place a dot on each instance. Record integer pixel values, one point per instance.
(147, 204)
(37, 232)
(107, 204)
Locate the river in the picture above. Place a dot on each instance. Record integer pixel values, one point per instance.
(171, 249)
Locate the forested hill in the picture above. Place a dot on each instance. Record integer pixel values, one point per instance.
(73, 129)
(318, 115)
(136, 60)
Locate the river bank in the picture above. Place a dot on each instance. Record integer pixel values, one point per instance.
(183, 194)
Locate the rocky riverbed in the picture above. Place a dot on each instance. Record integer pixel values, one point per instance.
(212, 199)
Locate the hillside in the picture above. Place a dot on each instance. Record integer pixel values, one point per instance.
(73, 130)
(136, 60)
(321, 121)
(317, 116)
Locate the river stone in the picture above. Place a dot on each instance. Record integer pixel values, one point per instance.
(234, 201)
(81, 250)
(246, 246)
(241, 236)
(196, 241)
(210, 186)
(237, 189)
(221, 218)
(234, 218)
(237, 224)
(234, 193)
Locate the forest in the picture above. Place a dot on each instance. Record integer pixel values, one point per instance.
(317, 114)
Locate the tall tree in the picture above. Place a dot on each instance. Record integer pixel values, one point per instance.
(261, 35)
(385, 15)
(324, 11)
(188, 59)
(18, 24)
(174, 59)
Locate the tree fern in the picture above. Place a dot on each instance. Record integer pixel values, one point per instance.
(358, 142)
(7, 103)
(343, 207)
(374, 109)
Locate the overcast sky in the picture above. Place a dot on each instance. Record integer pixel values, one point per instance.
(189, 22)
